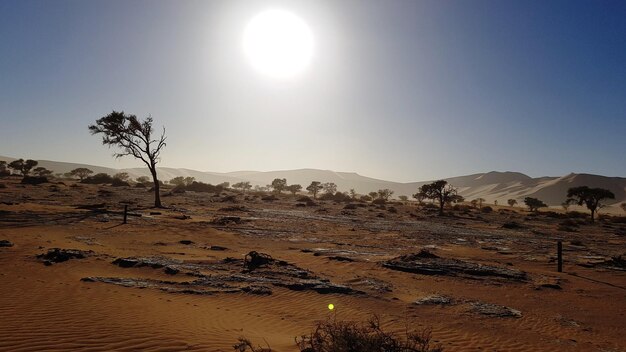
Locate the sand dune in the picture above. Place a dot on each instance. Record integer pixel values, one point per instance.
(492, 186)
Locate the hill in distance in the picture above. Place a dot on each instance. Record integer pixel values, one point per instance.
(491, 186)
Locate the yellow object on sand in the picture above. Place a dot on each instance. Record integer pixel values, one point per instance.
(331, 306)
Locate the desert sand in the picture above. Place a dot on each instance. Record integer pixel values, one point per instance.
(178, 283)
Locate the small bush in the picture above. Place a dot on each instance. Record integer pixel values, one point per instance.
(339, 336)
(202, 187)
(98, 179)
(379, 201)
(486, 209)
(430, 206)
(34, 180)
(119, 183)
(304, 199)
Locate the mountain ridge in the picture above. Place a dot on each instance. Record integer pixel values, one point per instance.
(492, 186)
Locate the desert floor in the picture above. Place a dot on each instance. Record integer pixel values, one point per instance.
(168, 295)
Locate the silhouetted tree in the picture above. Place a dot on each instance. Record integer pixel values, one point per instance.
(224, 185)
(480, 202)
(590, 197)
(403, 198)
(42, 172)
(23, 167)
(373, 195)
(384, 194)
(419, 197)
(80, 172)
(565, 205)
(142, 179)
(353, 193)
(329, 188)
(294, 188)
(314, 188)
(135, 138)
(122, 176)
(440, 191)
(4, 171)
(178, 181)
(511, 202)
(243, 186)
(534, 204)
(279, 185)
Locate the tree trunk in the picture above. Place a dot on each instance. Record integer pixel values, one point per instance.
(441, 204)
(157, 195)
(592, 215)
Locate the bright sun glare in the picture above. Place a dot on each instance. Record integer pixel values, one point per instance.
(278, 43)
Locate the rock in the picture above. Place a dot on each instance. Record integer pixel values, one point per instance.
(269, 198)
(340, 258)
(226, 220)
(155, 213)
(233, 208)
(426, 263)
(5, 243)
(187, 242)
(495, 310)
(58, 255)
(218, 248)
(171, 271)
(433, 300)
(257, 290)
(254, 259)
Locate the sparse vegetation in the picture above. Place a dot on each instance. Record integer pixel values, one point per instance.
(511, 202)
(329, 188)
(42, 172)
(293, 189)
(243, 186)
(385, 194)
(346, 336)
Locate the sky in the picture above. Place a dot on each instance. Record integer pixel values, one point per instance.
(402, 90)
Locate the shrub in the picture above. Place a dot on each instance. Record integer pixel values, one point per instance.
(34, 180)
(203, 187)
(119, 183)
(98, 179)
(379, 201)
(339, 336)
(486, 209)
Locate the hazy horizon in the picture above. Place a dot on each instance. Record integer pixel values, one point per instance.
(402, 91)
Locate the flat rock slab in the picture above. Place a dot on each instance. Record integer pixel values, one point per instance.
(426, 263)
(226, 276)
(434, 300)
(58, 255)
(494, 310)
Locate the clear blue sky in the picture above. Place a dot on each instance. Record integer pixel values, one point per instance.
(400, 90)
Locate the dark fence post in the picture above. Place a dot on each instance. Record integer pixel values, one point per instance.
(559, 255)
(126, 216)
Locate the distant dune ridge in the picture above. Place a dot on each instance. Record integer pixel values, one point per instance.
(491, 186)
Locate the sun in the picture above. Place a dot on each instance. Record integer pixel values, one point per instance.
(278, 44)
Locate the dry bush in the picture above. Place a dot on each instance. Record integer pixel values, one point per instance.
(340, 336)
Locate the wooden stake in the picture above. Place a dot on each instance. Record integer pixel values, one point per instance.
(126, 213)
(559, 256)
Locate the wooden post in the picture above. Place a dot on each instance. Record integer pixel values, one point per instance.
(126, 215)
(559, 255)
